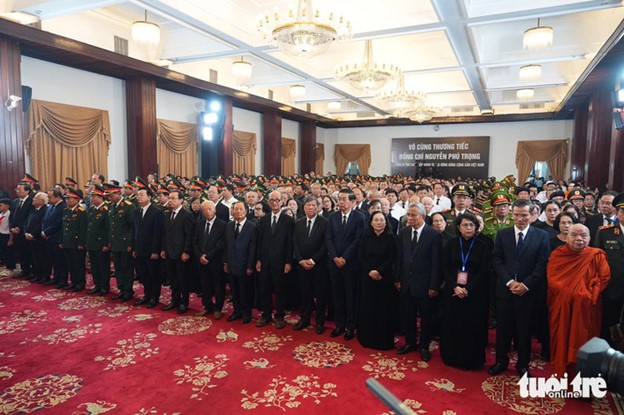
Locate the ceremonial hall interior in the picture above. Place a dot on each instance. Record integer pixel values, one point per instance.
(209, 88)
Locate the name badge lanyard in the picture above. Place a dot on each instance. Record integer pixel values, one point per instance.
(464, 259)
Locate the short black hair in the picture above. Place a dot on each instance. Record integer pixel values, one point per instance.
(5, 201)
(349, 192)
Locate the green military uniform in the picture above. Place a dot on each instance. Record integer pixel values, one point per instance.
(73, 240)
(98, 234)
(121, 241)
(493, 225)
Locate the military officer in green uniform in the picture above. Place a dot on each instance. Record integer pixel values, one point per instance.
(121, 217)
(500, 218)
(462, 196)
(98, 231)
(610, 239)
(74, 238)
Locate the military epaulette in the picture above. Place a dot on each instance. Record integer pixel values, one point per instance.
(606, 227)
(80, 208)
(445, 210)
(490, 218)
(105, 207)
(127, 202)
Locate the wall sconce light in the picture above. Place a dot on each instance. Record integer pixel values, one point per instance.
(11, 102)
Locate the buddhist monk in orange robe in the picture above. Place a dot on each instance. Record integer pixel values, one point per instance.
(577, 274)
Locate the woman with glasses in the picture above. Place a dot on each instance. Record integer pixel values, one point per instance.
(465, 306)
(562, 223)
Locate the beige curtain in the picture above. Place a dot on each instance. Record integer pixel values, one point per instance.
(320, 159)
(244, 154)
(344, 153)
(554, 152)
(289, 147)
(65, 140)
(176, 148)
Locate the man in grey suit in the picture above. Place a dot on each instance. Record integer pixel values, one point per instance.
(418, 278)
(520, 256)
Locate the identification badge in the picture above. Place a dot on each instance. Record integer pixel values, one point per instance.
(462, 277)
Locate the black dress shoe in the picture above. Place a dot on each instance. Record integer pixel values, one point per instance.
(126, 297)
(233, 317)
(301, 325)
(77, 288)
(47, 282)
(68, 287)
(320, 329)
(406, 349)
(94, 290)
(262, 322)
(117, 296)
(141, 301)
(497, 368)
(103, 291)
(152, 303)
(182, 309)
(522, 370)
(246, 319)
(349, 334)
(425, 355)
(169, 306)
(337, 332)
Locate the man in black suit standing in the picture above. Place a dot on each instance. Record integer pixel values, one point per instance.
(208, 244)
(20, 210)
(40, 260)
(311, 255)
(148, 231)
(606, 216)
(344, 231)
(520, 256)
(274, 260)
(223, 212)
(418, 278)
(51, 233)
(240, 259)
(177, 246)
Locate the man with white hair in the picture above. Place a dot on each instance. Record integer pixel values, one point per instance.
(430, 207)
(41, 266)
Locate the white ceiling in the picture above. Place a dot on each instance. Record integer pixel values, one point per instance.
(465, 54)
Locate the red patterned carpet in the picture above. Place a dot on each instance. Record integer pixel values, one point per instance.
(67, 353)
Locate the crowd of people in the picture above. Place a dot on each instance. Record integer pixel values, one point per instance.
(374, 254)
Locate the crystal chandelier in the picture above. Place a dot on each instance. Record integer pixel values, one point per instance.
(538, 37)
(306, 33)
(368, 75)
(400, 101)
(421, 112)
(146, 33)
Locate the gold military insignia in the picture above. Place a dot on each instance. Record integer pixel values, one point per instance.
(606, 227)
(104, 207)
(80, 208)
(127, 202)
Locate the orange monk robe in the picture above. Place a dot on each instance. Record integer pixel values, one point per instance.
(575, 281)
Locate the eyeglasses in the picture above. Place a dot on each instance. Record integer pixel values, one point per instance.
(467, 225)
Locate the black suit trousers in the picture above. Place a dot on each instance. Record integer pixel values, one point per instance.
(178, 273)
(272, 280)
(150, 273)
(515, 316)
(212, 280)
(344, 285)
(41, 266)
(59, 263)
(23, 250)
(242, 287)
(411, 307)
(313, 284)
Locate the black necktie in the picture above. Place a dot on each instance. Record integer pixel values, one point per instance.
(437, 201)
(520, 242)
(414, 238)
(609, 221)
(207, 230)
(344, 221)
(309, 227)
(274, 223)
(19, 207)
(172, 216)
(237, 230)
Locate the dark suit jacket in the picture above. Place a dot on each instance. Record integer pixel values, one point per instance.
(240, 253)
(213, 245)
(314, 246)
(223, 212)
(527, 266)
(51, 223)
(593, 223)
(18, 219)
(148, 231)
(419, 271)
(178, 234)
(611, 240)
(275, 249)
(344, 243)
(34, 221)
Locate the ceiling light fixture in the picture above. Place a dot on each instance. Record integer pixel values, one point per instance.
(538, 37)
(241, 71)
(297, 91)
(530, 72)
(525, 94)
(367, 75)
(306, 33)
(334, 106)
(146, 33)
(421, 112)
(400, 101)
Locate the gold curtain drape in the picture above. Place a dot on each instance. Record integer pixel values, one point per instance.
(344, 153)
(66, 140)
(320, 159)
(554, 152)
(176, 148)
(289, 148)
(244, 154)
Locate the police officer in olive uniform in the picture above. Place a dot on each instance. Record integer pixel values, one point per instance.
(121, 218)
(610, 239)
(462, 196)
(577, 197)
(500, 218)
(98, 232)
(74, 238)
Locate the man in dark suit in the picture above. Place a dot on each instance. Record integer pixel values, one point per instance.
(418, 278)
(519, 258)
(20, 210)
(311, 255)
(240, 259)
(177, 246)
(214, 195)
(360, 202)
(344, 231)
(148, 231)
(274, 260)
(606, 216)
(40, 260)
(51, 233)
(208, 244)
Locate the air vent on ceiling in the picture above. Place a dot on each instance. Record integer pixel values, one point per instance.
(121, 45)
(369, 114)
(213, 76)
(462, 109)
(532, 106)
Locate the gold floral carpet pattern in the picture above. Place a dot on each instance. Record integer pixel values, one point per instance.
(72, 354)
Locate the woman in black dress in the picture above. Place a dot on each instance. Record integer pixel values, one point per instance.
(465, 307)
(378, 293)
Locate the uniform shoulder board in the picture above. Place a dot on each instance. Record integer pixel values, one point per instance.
(445, 211)
(606, 227)
(80, 208)
(127, 202)
(489, 218)
(104, 207)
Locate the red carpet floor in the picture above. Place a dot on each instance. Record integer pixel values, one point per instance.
(71, 353)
